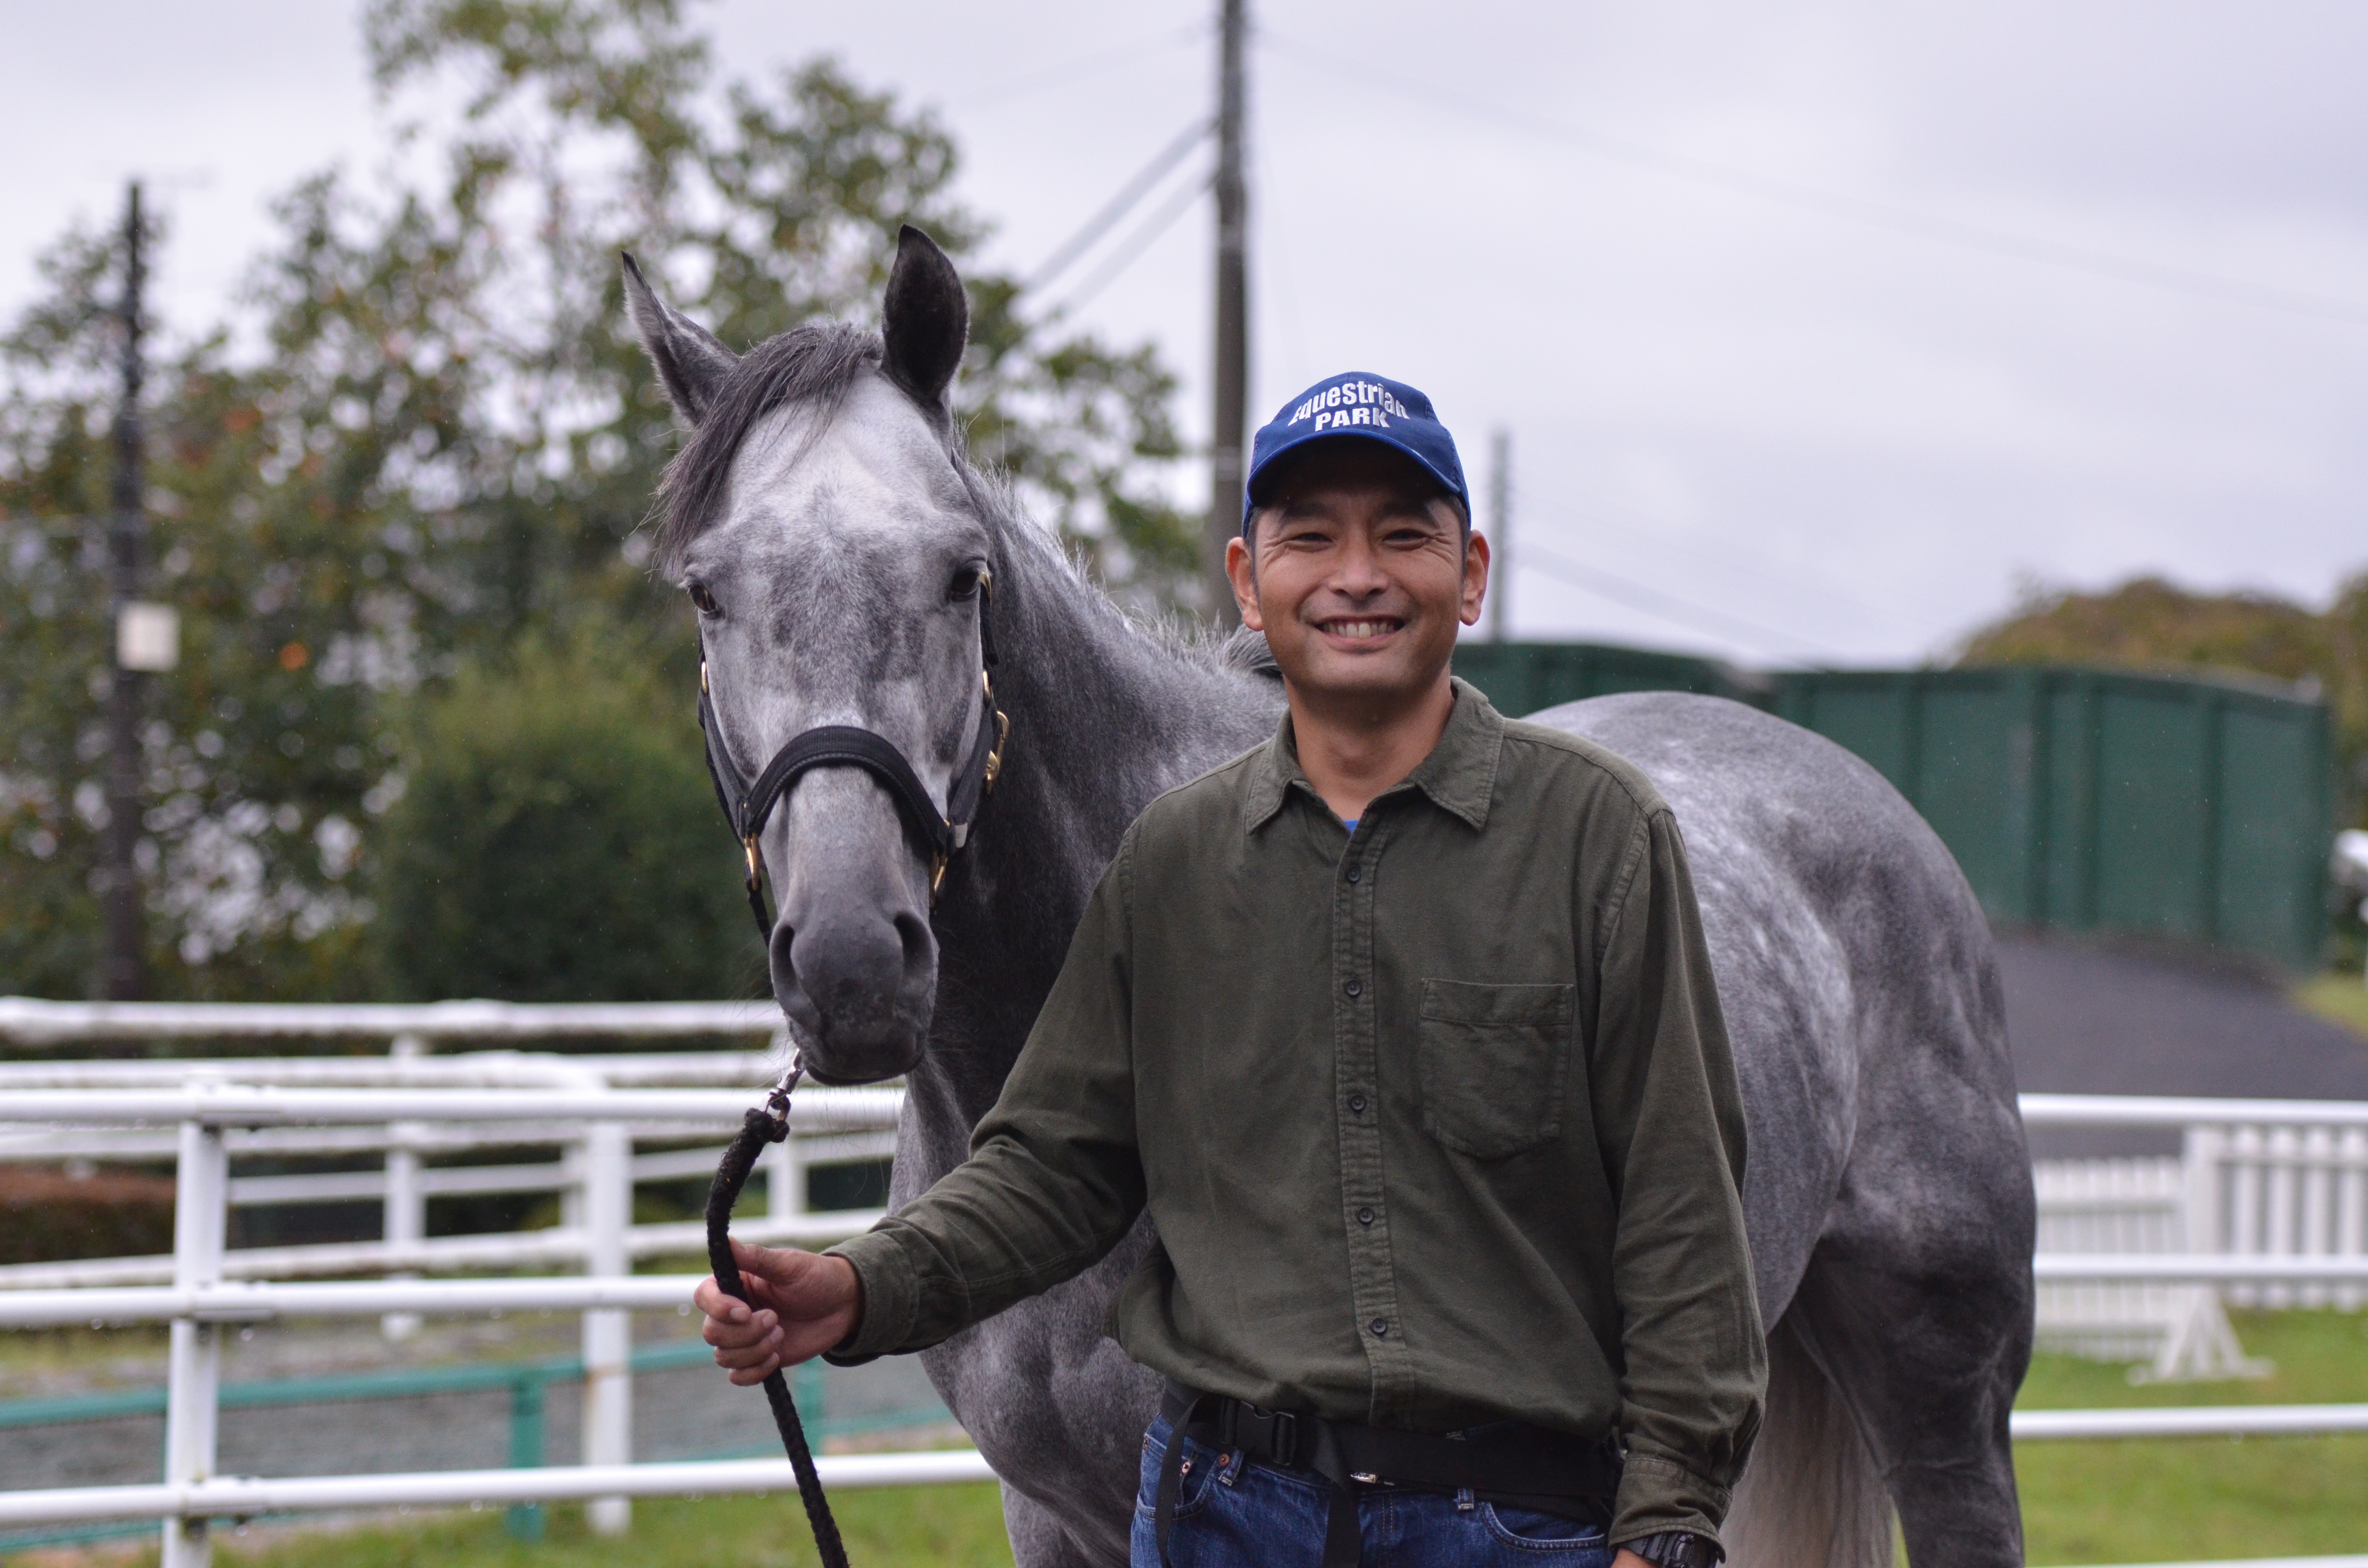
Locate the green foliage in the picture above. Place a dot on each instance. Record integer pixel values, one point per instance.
(446, 444)
(558, 841)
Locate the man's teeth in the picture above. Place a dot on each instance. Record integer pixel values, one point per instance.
(1361, 628)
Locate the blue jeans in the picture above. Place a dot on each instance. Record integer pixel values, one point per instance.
(1232, 1514)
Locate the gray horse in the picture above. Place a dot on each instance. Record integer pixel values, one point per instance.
(827, 528)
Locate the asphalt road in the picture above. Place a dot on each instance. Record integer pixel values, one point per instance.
(2085, 1018)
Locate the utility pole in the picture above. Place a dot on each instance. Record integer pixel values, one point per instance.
(1501, 530)
(123, 958)
(1233, 308)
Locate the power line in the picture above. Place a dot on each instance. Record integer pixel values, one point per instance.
(1860, 209)
(1652, 531)
(1125, 255)
(1100, 224)
(1635, 595)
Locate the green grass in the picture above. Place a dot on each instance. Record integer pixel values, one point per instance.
(2184, 1499)
(2341, 998)
(935, 1527)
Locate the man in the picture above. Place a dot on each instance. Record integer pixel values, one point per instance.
(1401, 1026)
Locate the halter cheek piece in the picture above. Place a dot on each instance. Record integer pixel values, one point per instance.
(747, 806)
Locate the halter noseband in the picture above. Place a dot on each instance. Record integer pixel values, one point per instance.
(747, 806)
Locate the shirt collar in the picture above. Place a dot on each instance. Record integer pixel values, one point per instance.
(1459, 776)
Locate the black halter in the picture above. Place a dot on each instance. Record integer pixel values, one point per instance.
(746, 806)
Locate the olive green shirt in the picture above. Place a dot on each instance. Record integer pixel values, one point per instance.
(1437, 1119)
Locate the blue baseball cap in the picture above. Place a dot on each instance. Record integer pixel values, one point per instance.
(1364, 406)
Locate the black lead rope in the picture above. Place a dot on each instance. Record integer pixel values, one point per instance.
(769, 1125)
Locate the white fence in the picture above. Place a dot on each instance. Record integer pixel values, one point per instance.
(2114, 1233)
(407, 1107)
(2255, 1180)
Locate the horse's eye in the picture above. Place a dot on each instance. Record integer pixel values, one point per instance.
(965, 585)
(701, 598)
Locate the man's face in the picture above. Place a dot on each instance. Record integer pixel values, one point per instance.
(1361, 573)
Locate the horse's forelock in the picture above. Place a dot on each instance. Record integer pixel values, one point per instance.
(813, 365)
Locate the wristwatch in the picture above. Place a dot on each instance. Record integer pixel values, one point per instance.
(1677, 1549)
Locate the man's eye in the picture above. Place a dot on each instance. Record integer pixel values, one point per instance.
(702, 600)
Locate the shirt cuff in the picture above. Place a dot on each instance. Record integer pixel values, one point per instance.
(1657, 1494)
(891, 1293)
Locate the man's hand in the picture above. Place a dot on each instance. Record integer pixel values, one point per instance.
(801, 1303)
(1626, 1559)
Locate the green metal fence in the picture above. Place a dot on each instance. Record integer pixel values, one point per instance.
(2094, 800)
(2085, 799)
(526, 1382)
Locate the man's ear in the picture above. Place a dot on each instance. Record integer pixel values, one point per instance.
(1477, 584)
(925, 319)
(1241, 571)
(690, 362)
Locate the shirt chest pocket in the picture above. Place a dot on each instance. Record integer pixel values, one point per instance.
(1492, 1061)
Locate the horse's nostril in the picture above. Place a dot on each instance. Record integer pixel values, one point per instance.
(920, 944)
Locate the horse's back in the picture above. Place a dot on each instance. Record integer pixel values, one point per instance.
(1855, 964)
(1888, 1187)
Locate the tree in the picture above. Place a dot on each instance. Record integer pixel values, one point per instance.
(559, 841)
(446, 446)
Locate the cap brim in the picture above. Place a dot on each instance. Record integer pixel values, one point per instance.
(1259, 489)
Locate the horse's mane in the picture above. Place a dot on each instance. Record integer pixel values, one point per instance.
(818, 364)
(806, 364)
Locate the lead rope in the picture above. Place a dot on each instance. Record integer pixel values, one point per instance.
(769, 1125)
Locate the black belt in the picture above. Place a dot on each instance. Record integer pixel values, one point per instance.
(1552, 1471)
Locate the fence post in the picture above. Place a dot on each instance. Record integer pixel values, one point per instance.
(785, 1177)
(2200, 1157)
(201, 1211)
(607, 1206)
(524, 1520)
(406, 1203)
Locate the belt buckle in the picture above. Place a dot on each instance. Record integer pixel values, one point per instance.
(1283, 1438)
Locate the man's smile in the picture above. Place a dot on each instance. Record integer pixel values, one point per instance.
(1365, 629)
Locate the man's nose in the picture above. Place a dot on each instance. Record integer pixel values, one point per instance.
(1359, 570)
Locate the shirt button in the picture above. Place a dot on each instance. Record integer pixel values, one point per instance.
(1354, 988)
(1354, 873)
(1381, 1328)
(1357, 1103)
(1364, 1216)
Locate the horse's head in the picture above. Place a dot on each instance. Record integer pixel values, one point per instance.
(836, 555)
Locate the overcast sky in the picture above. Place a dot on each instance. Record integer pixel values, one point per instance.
(1813, 328)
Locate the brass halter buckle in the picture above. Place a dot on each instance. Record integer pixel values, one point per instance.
(756, 866)
(994, 757)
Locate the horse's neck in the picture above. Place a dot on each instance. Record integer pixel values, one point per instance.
(1104, 717)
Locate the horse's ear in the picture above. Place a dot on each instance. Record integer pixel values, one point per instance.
(691, 361)
(926, 320)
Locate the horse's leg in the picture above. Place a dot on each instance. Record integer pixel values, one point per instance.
(1917, 1307)
(1059, 1411)
(1039, 1540)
